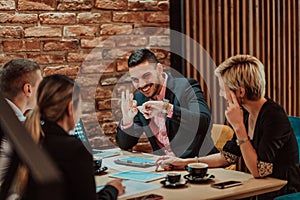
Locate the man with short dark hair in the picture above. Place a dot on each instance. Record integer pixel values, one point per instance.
(171, 111)
(19, 80)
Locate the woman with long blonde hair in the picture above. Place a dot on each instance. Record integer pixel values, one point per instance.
(56, 113)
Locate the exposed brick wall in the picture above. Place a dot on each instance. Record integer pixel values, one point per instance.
(89, 40)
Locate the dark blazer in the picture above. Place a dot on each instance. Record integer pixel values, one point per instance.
(75, 163)
(186, 129)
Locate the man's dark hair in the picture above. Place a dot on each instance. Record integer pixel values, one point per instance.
(14, 74)
(141, 55)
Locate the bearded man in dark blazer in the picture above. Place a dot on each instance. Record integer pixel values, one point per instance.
(172, 112)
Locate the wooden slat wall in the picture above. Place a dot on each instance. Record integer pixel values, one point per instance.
(267, 29)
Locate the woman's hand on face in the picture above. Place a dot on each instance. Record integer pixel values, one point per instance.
(118, 185)
(234, 112)
(169, 163)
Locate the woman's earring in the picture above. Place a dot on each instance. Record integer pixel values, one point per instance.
(241, 100)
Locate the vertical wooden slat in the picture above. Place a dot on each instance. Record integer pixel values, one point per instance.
(195, 50)
(256, 29)
(296, 93)
(267, 40)
(250, 25)
(277, 59)
(188, 33)
(288, 60)
(267, 29)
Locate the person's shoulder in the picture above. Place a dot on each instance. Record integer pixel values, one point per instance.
(183, 80)
(273, 109)
(272, 105)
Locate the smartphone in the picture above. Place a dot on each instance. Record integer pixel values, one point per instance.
(148, 197)
(226, 184)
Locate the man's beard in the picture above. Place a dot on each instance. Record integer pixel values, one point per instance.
(156, 90)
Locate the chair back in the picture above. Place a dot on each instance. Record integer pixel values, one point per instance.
(295, 122)
(292, 196)
(220, 134)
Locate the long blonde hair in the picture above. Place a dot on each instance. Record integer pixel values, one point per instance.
(53, 96)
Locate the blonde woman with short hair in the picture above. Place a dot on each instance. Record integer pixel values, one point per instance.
(263, 135)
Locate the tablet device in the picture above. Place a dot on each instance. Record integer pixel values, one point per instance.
(136, 162)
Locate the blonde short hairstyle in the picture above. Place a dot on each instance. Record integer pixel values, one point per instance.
(243, 71)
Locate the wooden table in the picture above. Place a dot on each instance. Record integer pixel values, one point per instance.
(250, 186)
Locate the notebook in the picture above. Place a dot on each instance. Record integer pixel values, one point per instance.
(136, 175)
(80, 132)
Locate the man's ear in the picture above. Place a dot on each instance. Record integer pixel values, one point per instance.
(27, 89)
(70, 109)
(159, 68)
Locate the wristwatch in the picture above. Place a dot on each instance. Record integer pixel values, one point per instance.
(240, 142)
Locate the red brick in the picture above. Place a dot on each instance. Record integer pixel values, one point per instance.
(47, 58)
(7, 5)
(63, 69)
(21, 45)
(81, 30)
(6, 57)
(99, 42)
(142, 146)
(122, 65)
(57, 18)
(158, 17)
(90, 90)
(104, 104)
(105, 116)
(128, 16)
(79, 56)
(94, 56)
(94, 18)
(11, 31)
(159, 41)
(155, 29)
(105, 81)
(112, 29)
(116, 53)
(43, 31)
(111, 4)
(103, 66)
(88, 81)
(103, 93)
(109, 128)
(87, 106)
(142, 5)
(102, 142)
(163, 5)
(36, 5)
(54, 45)
(18, 18)
(160, 53)
(75, 5)
(135, 41)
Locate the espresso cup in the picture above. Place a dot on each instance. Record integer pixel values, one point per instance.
(197, 169)
(173, 177)
(97, 163)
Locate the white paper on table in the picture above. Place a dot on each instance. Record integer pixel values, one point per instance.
(133, 187)
(136, 187)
